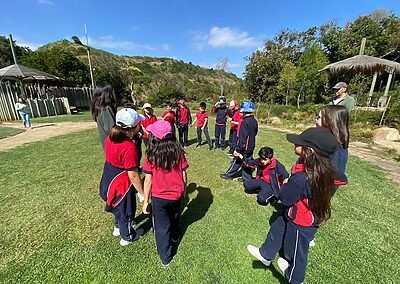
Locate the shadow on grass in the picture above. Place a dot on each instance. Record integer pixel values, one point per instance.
(43, 125)
(275, 273)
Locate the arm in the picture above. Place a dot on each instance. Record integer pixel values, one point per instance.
(194, 121)
(205, 122)
(144, 129)
(293, 190)
(148, 180)
(136, 180)
(244, 132)
(189, 115)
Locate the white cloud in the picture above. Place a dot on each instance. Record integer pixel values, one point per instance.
(223, 37)
(26, 43)
(46, 2)
(108, 42)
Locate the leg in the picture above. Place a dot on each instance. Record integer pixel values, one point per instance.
(247, 172)
(198, 129)
(217, 134)
(180, 133)
(185, 135)
(266, 194)
(223, 133)
(253, 185)
(296, 245)
(175, 219)
(231, 145)
(28, 119)
(207, 137)
(146, 141)
(162, 228)
(235, 167)
(273, 243)
(23, 118)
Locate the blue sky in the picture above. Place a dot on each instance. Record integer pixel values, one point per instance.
(201, 32)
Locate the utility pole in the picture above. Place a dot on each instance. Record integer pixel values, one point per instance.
(12, 49)
(90, 62)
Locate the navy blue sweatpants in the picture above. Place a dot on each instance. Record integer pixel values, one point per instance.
(220, 132)
(264, 190)
(232, 140)
(183, 130)
(237, 164)
(295, 240)
(166, 215)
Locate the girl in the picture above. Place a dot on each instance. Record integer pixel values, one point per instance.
(165, 180)
(149, 118)
(335, 119)
(306, 204)
(104, 107)
(121, 173)
(24, 111)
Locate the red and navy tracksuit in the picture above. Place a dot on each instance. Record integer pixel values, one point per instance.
(116, 188)
(339, 160)
(167, 191)
(183, 119)
(294, 228)
(201, 122)
(148, 119)
(220, 126)
(247, 132)
(235, 115)
(269, 179)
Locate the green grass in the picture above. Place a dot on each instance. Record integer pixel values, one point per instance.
(53, 228)
(82, 116)
(9, 131)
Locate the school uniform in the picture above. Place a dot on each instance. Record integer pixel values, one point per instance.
(233, 130)
(148, 119)
(268, 181)
(170, 117)
(116, 188)
(167, 191)
(247, 132)
(339, 160)
(183, 119)
(294, 228)
(201, 122)
(220, 126)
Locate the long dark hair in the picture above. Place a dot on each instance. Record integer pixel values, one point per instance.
(336, 119)
(320, 173)
(164, 154)
(119, 134)
(103, 96)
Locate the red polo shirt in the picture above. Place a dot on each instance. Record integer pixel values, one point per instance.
(183, 115)
(123, 155)
(236, 117)
(201, 118)
(167, 185)
(169, 116)
(147, 121)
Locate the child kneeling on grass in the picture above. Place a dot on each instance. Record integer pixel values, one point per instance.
(306, 199)
(165, 179)
(121, 175)
(269, 178)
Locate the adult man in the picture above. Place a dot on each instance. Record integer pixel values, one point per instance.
(342, 98)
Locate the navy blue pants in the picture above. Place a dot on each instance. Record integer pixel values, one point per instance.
(264, 190)
(295, 240)
(237, 164)
(183, 130)
(220, 132)
(166, 215)
(205, 130)
(232, 140)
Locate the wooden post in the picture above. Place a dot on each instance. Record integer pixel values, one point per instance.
(389, 81)
(362, 48)
(384, 111)
(90, 62)
(12, 49)
(371, 90)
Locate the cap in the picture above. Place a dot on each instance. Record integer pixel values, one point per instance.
(161, 129)
(128, 118)
(321, 141)
(340, 85)
(233, 104)
(247, 107)
(146, 105)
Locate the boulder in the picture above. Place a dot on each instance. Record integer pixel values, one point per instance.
(383, 134)
(275, 121)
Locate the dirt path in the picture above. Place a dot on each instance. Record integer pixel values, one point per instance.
(365, 152)
(42, 131)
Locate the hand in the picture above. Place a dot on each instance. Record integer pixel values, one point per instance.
(216, 104)
(285, 180)
(229, 119)
(144, 208)
(191, 125)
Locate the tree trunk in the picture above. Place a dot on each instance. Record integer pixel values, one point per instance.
(298, 97)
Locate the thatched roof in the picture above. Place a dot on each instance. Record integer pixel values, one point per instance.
(20, 72)
(363, 63)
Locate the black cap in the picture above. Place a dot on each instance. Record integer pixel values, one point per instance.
(322, 141)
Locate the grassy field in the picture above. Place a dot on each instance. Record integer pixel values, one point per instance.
(82, 116)
(9, 131)
(53, 228)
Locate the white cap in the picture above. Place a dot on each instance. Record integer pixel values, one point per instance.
(146, 105)
(127, 118)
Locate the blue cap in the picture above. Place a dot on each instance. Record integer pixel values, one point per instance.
(247, 107)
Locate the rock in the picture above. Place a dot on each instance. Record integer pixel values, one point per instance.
(275, 121)
(383, 134)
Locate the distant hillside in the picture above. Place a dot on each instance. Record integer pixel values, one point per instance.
(146, 77)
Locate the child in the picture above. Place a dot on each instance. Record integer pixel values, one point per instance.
(335, 119)
(183, 119)
(202, 125)
(121, 175)
(104, 107)
(169, 115)
(269, 178)
(24, 111)
(306, 204)
(220, 123)
(234, 118)
(247, 132)
(149, 118)
(165, 180)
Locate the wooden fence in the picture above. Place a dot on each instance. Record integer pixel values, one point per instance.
(42, 100)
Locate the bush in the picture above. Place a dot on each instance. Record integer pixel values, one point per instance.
(393, 115)
(367, 117)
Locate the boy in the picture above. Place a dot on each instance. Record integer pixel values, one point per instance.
(269, 178)
(247, 132)
(183, 119)
(169, 115)
(234, 118)
(220, 123)
(202, 125)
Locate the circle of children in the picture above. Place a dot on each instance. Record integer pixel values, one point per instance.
(305, 192)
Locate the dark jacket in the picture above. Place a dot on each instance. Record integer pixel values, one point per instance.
(247, 135)
(178, 116)
(222, 114)
(339, 160)
(105, 121)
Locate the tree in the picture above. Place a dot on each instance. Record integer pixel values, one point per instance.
(287, 80)
(6, 57)
(222, 65)
(76, 40)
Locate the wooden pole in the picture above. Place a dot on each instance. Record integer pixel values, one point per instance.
(12, 49)
(384, 111)
(90, 62)
(389, 81)
(371, 90)
(362, 48)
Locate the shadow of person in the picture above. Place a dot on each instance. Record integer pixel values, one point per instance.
(275, 273)
(196, 208)
(192, 141)
(276, 213)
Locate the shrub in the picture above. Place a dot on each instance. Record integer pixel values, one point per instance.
(367, 117)
(393, 115)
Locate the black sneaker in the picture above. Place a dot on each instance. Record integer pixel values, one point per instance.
(224, 176)
(241, 180)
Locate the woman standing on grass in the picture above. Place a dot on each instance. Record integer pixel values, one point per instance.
(121, 176)
(24, 111)
(306, 204)
(165, 169)
(104, 107)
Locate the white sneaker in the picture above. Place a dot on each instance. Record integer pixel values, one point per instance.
(312, 243)
(116, 232)
(254, 251)
(283, 264)
(124, 243)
